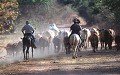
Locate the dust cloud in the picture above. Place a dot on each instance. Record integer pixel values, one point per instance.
(17, 56)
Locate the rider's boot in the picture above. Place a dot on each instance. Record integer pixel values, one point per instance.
(33, 41)
(34, 46)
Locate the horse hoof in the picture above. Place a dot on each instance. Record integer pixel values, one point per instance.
(73, 57)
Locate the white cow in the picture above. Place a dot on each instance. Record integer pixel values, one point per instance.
(61, 35)
(48, 35)
(54, 28)
(85, 34)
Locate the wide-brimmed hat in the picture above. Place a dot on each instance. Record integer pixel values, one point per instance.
(76, 20)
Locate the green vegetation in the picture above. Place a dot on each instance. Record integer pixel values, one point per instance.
(8, 13)
(107, 10)
(28, 2)
(94, 11)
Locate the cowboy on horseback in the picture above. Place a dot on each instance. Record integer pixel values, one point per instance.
(28, 30)
(75, 28)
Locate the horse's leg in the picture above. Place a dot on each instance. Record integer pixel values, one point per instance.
(24, 52)
(32, 52)
(27, 53)
(74, 52)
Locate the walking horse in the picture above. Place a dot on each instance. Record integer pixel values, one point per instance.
(27, 43)
(75, 42)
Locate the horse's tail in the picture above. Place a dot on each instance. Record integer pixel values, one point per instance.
(73, 40)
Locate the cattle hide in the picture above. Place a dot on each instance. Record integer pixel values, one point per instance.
(117, 42)
(94, 41)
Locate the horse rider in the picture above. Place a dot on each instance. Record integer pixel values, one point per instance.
(75, 28)
(28, 30)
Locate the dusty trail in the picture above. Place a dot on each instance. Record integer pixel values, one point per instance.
(103, 62)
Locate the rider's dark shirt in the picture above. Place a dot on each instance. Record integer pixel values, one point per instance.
(75, 28)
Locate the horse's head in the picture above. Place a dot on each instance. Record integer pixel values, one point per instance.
(27, 40)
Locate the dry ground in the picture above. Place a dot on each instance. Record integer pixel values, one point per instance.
(104, 62)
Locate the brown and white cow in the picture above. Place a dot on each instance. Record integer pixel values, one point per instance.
(85, 34)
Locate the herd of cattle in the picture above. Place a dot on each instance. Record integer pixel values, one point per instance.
(93, 36)
(60, 39)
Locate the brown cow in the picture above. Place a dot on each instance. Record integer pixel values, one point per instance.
(57, 43)
(109, 37)
(102, 37)
(117, 42)
(66, 44)
(43, 43)
(94, 39)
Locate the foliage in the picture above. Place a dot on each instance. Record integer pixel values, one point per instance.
(107, 9)
(28, 2)
(8, 13)
(114, 7)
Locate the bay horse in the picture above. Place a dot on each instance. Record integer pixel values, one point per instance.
(27, 43)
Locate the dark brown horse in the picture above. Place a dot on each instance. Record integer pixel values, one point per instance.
(27, 43)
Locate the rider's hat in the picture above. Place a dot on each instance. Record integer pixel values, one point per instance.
(76, 20)
(27, 22)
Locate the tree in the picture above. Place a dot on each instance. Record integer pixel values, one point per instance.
(114, 7)
(8, 13)
(108, 10)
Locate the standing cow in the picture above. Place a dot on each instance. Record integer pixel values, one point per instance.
(54, 28)
(94, 39)
(43, 43)
(66, 44)
(107, 36)
(61, 35)
(57, 43)
(117, 42)
(85, 34)
(102, 38)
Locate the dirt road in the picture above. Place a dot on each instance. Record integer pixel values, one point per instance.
(104, 62)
